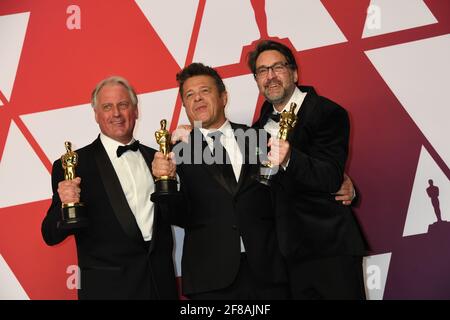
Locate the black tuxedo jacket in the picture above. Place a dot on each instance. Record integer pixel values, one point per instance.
(214, 214)
(114, 261)
(310, 223)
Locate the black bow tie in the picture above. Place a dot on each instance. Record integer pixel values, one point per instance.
(122, 149)
(275, 116)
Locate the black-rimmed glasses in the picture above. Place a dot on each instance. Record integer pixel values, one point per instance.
(278, 68)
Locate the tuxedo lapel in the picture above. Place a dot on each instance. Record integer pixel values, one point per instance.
(244, 148)
(311, 99)
(215, 170)
(115, 193)
(245, 169)
(148, 155)
(266, 110)
(309, 103)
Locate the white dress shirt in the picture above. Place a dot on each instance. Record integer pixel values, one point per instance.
(136, 181)
(230, 144)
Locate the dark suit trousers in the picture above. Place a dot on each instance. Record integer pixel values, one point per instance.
(330, 278)
(245, 287)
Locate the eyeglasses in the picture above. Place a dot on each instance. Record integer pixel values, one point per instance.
(278, 68)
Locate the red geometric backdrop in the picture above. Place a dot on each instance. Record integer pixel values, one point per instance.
(385, 61)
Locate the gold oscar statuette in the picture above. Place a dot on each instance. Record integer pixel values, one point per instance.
(288, 120)
(165, 186)
(73, 214)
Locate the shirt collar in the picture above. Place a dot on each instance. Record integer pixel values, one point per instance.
(111, 145)
(225, 128)
(297, 97)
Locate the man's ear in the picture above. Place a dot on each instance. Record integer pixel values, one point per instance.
(95, 113)
(224, 98)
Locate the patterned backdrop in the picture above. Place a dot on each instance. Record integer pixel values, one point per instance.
(385, 61)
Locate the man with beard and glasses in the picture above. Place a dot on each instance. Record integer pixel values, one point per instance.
(319, 236)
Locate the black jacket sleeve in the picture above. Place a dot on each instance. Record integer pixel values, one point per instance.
(50, 232)
(318, 165)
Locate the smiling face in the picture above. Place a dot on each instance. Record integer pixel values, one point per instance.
(115, 113)
(204, 102)
(276, 88)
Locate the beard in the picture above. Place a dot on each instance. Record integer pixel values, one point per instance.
(281, 96)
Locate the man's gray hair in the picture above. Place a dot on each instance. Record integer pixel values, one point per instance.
(114, 80)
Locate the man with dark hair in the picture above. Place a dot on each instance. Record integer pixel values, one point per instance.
(125, 252)
(319, 236)
(198, 69)
(230, 248)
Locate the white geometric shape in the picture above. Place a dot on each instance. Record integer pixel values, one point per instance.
(153, 107)
(398, 15)
(420, 210)
(242, 97)
(183, 119)
(51, 128)
(179, 239)
(11, 289)
(23, 176)
(376, 269)
(77, 124)
(173, 20)
(306, 23)
(12, 34)
(417, 73)
(226, 27)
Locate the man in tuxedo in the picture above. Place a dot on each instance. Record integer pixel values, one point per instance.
(125, 252)
(319, 236)
(230, 248)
